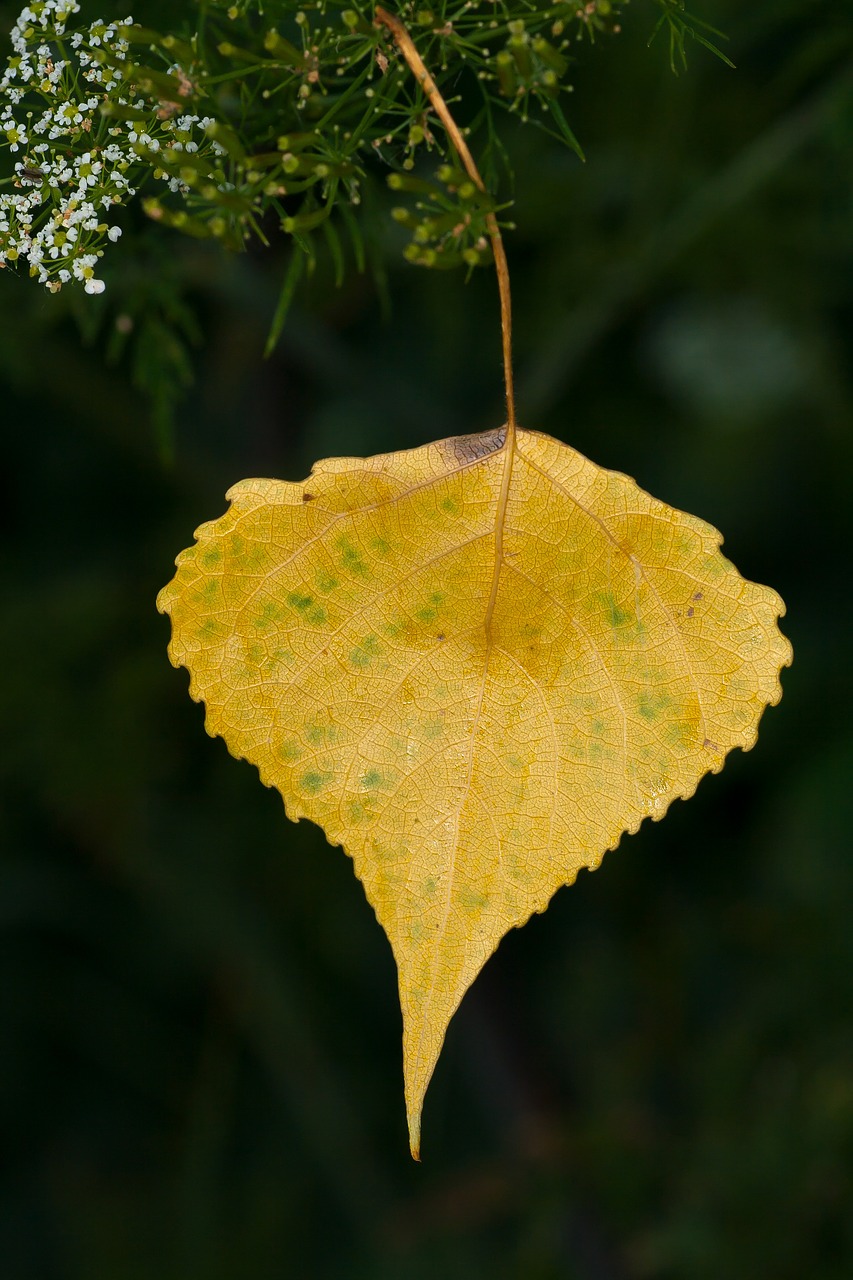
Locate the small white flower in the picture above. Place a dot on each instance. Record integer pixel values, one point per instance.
(53, 222)
(15, 134)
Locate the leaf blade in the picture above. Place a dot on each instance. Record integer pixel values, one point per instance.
(475, 684)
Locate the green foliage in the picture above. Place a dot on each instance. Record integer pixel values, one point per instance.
(241, 122)
(679, 27)
(248, 118)
(85, 125)
(448, 225)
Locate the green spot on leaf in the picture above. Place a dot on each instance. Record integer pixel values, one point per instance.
(471, 900)
(308, 608)
(269, 614)
(651, 705)
(313, 782)
(363, 654)
(615, 616)
(325, 582)
(351, 558)
(297, 600)
(680, 734)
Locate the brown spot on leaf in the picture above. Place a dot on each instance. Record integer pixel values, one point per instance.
(690, 612)
(698, 595)
(462, 449)
(307, 497)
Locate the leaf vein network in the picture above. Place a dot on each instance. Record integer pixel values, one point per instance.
(638, 564)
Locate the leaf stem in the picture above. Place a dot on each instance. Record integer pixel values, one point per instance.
(406, 45)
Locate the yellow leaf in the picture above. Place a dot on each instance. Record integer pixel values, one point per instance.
(475, 666)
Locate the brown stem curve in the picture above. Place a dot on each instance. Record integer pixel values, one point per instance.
(406, 45)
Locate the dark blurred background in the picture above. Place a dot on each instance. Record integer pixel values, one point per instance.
(200, 1072)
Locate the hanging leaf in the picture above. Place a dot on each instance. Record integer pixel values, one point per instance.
(475, 665)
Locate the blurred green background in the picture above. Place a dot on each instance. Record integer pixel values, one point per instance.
(200, 1071)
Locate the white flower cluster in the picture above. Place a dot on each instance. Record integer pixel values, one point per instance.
(80, 146)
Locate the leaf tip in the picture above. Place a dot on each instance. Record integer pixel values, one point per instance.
(415, 1135)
